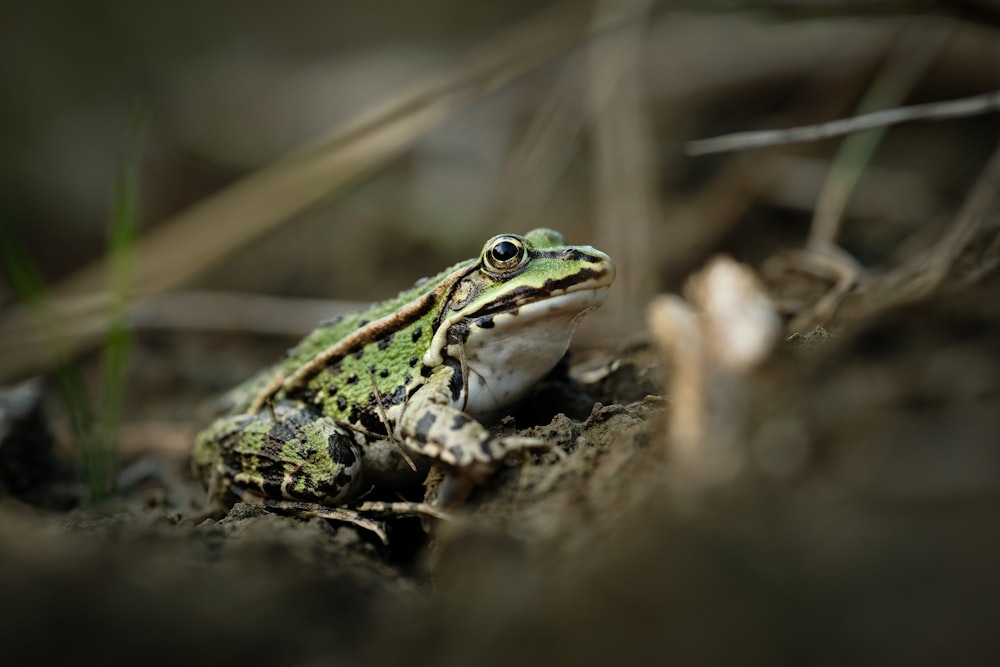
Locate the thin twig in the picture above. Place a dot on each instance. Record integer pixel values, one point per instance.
(914, 51)
(385, 420)
(907, 61)
(625, 168)
(960, 108)
(925, 273)
(698, 224)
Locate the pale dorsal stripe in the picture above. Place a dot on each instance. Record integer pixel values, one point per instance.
(369, 333)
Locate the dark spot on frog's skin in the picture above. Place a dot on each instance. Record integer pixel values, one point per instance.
(341, 481)
(297, 419)
(332, 390)
(233, 461)
(271, 488)
(484, 447)
(353, 379)
(362, 323)
(455, 382)
(369, 419)
(398, 396)
(384, 373)
(371, 398)
(280, 433)
(384, 343)
(373, 423)
(425, 371)
(413, 361)
(424, 426)
(456, 453)
(358, 353)
(341, 403)
(459, 422)
(309, 483)
(486, 322)
(341, 454)
(417, 333)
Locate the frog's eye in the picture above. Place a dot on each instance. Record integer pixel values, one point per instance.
(504, 254)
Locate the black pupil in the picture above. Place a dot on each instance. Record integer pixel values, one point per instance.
(504, 251)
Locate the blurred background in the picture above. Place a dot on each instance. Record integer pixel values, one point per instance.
(559, 116)
(290, 161)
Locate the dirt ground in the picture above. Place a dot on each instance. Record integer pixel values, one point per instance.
(879, 544)
(860, 522)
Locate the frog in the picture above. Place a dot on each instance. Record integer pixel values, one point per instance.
(377, 397)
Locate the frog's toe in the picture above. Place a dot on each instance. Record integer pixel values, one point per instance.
(500, 448)
(513, 443)
(475, 470)
(478, 463)
(453, 491)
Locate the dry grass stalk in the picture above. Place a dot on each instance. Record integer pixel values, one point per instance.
(626, 198)
(906, 63)
(928, 272)
(179, 248)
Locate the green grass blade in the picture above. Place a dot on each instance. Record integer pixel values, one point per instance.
(101, 454)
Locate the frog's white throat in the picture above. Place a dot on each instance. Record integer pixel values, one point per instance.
(508, 358)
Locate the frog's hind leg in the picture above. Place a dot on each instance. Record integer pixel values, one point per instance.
(356, 515)
(344, 514)
(400, 508)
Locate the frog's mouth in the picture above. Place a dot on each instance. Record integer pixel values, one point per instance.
(525, 307)
(540, 316)
(583, 290)
(506, 352)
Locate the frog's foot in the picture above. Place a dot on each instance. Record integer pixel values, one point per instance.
(344, 514)
(468, 471)
(474, 458)
(454, 490)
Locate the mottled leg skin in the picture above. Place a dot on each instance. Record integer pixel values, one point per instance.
(356, 515)
(398, 508)
(309, 510)
(289, 452)
(431, 426)
(293, 461)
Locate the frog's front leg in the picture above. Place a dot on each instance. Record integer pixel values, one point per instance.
(430, 425)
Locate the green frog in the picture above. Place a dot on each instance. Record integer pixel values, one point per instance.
(369, 399)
